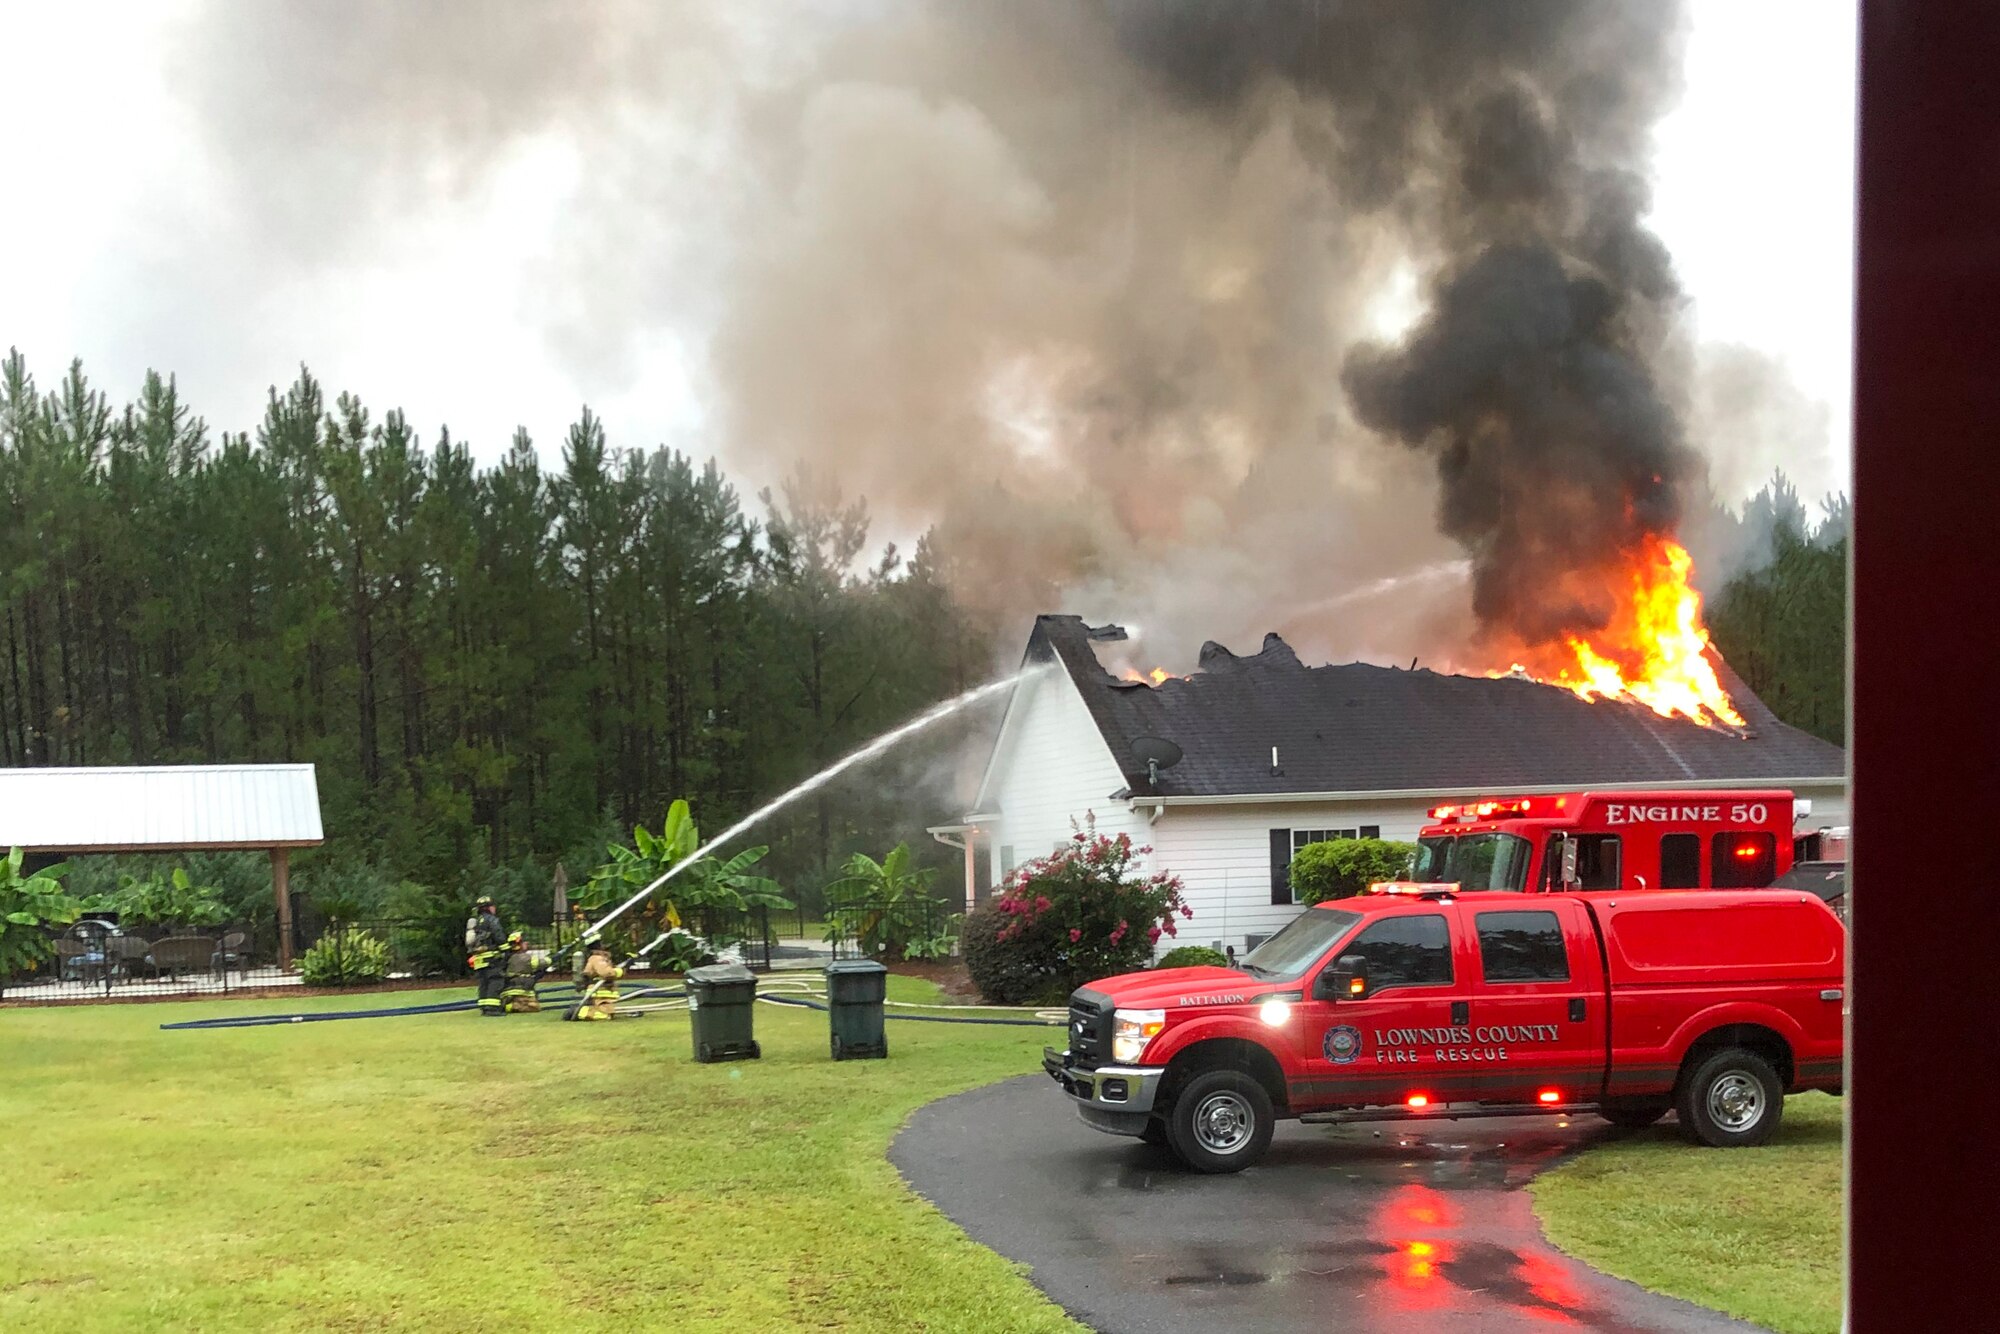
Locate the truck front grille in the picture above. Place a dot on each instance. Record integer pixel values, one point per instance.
(1090, 1020)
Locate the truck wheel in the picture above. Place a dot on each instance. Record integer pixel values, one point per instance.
(1155, 1132)
(1221, 1122)
(1632, 1115)
(1731, 1099)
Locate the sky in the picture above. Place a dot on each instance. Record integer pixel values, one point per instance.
(122, 250)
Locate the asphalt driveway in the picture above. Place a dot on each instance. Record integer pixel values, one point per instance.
(1350, 1228)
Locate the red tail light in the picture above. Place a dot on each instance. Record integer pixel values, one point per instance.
(1549, 1095)
(1418, 1100)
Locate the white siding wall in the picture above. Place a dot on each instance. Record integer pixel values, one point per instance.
(1054, 769)
(1829, 806)
(1223, 856)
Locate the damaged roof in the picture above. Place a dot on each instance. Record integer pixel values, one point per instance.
(1357, 727)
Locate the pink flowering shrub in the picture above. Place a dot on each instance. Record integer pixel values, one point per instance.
(1060, 921)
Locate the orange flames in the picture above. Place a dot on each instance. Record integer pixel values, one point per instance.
(1653, 650)
(1158, 676)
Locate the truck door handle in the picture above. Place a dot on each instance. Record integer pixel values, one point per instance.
(1576, 1010)
(1461, 1014)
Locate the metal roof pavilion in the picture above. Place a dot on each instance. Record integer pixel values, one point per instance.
(157, 809)
(270, 808)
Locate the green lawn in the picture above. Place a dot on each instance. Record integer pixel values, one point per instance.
(446, 1173)
(1753, 1232)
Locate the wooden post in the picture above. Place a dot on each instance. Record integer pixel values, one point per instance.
(281, 886)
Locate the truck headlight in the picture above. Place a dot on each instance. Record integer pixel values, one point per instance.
(1131, 1030)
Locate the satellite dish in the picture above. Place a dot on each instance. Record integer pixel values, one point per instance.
(1156, 753)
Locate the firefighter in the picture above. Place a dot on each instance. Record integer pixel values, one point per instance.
(486, 946)
(604, 974)
(582, 952)
(524, 969)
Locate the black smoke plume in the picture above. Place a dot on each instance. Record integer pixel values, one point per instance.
(1094, 290)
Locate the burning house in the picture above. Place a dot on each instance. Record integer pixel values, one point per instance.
(1226, 772)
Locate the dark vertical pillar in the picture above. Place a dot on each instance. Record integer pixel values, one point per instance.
(1924, 745)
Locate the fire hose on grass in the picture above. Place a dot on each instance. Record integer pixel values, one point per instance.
(801, 992)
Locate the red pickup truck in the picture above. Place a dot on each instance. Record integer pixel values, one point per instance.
(1418, 1001)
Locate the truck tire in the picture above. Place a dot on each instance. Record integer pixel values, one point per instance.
(1731, 1099)
(1221, 1122)
(1633, 1115)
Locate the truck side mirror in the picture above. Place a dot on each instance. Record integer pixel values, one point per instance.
(1570, 848)
(1347, 979)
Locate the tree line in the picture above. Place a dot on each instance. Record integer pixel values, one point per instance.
(1781, 623)
(486, 664)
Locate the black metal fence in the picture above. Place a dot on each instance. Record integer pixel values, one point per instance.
(894, 929)
(100, 958)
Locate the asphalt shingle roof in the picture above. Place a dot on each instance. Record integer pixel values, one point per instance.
(1356, 727)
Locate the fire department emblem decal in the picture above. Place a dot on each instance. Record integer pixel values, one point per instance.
(1342, 1044)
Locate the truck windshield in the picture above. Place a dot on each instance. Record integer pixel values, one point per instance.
(1475, 861)
(1299, 946)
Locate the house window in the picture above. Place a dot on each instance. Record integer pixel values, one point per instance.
(1301, 837)
(1285, 844)
(1371, 831)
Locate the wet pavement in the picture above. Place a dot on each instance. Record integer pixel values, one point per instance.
(1364, 1228)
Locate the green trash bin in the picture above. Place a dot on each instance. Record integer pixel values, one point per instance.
(720, 999)
(854, 992)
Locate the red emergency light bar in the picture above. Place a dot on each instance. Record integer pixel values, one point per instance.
(1485, 810)
(1414, 888)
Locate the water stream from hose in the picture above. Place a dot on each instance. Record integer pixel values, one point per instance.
(818, 780)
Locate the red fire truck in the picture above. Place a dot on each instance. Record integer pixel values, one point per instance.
(1612, 840)
(1419, 1001)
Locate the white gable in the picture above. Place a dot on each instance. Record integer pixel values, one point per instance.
(1050, 769)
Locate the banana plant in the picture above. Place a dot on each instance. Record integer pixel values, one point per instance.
(28, 906)
(885, 906)
(709, 889)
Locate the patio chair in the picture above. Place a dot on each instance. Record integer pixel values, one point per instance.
(127, 955)
(183, 954)
(232, 951)
(78, 960)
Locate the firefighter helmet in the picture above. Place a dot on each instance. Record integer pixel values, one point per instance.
(483, 901)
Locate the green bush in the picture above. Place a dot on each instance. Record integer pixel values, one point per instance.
(1069, 918)
(1194, 956)
(1004, 972)
(1343, 867)
(171, 903)
(345, 888)
(346, 957)
(429, 936)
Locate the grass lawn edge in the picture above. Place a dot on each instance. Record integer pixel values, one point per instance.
(1754, 1234)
